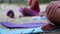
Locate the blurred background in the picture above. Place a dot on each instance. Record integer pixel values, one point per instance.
(18, 3)
(24, 1)
(14, 5)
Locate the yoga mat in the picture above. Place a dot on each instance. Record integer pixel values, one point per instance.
(28, 25)
(24, 31)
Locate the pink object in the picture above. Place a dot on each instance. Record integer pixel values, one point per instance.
(36, 7)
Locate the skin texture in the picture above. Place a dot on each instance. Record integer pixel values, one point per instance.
(53, 12)
(53, 15)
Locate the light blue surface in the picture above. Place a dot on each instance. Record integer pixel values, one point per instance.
(41, 18)
(19, 31)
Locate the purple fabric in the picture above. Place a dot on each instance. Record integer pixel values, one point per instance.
(29, 25)
(27, 12)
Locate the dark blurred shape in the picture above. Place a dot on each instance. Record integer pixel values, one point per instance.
(1, 1)
(10, 14)
(53, 15)
(53, 12)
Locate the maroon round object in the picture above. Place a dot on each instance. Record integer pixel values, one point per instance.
(53, 12)
(10, 14)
